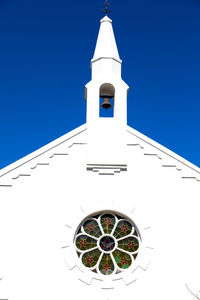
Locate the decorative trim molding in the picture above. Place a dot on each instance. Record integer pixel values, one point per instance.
(106, 169)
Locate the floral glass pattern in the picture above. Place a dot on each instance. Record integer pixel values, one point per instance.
(107, 243)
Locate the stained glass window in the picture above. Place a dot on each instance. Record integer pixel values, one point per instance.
(107, 243)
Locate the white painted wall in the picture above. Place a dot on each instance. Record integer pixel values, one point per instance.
(34, 213)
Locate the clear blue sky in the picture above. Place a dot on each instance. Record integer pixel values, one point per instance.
(45, 52)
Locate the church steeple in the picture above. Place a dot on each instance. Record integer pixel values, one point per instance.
(106, 57)
(106, 46)
(105, 133)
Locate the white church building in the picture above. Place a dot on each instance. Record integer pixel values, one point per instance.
(103, 212)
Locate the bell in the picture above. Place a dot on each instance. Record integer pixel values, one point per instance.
(106, 103)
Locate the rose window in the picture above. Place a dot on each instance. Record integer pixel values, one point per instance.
(107, 243)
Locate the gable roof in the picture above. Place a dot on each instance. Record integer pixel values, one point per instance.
(41, 156)
(168, 158)
(60, 147)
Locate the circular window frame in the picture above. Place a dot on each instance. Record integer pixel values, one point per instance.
(118, 217)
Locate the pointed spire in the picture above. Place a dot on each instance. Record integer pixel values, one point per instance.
(106, 46)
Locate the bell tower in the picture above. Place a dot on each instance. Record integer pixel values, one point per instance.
(106, 96)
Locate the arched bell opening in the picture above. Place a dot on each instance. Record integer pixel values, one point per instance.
(106, 100)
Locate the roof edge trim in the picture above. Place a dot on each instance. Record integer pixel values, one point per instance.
(163, 149)
(43, 150)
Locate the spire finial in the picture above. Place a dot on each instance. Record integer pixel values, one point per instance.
(106, 9)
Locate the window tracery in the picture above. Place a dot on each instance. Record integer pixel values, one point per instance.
(107, 243)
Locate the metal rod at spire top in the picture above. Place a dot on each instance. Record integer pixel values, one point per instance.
(106, 9)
